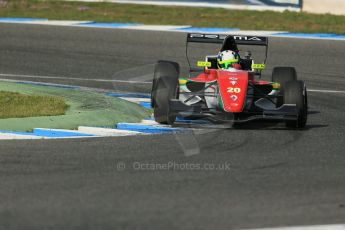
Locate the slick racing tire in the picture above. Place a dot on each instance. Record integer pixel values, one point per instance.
(165, 89)
(296, 93)
(282, 75)
(162, 69)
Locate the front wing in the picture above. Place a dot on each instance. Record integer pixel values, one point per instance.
(282, 113)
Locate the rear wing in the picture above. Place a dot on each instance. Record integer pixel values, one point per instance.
(229, 42)
(218, 38)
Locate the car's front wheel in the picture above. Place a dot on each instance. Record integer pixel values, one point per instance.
(283, 75)
(295, 92)
(165, 88)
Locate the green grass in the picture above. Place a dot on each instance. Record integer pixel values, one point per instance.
(15, 105)
(85, 108)
(202, 17)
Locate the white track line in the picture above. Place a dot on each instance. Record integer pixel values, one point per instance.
(124, 81)
(107, 131)
(11, 136)
(256, 2)
(155, 27)
(311, 227)
(135, 100)
(54, 22)
(73, 78)
(200, 4)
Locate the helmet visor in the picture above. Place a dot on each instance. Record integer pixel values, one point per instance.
(227, 63)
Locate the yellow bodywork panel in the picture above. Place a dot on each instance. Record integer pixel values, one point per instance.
(258, 66)
(182, 81)
(204, 64)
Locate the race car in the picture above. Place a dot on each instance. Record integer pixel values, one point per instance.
(221, 95)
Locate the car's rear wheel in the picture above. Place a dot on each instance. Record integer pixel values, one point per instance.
(296, 93)
(165, 88)
(283, 75)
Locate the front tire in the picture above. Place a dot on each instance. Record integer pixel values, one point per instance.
(165, 88)
(283, 75)
(163, 68)
(296, 93)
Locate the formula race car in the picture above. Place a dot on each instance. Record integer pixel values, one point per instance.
(222, 95)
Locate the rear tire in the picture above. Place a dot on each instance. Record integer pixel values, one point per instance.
(296, 93)
(283, 75)
(165, 88)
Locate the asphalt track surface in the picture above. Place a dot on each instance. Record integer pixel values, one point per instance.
(277, 177)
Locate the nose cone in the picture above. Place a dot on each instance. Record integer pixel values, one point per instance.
(233, 90)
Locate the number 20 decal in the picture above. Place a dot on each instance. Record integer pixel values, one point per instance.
(234, 90)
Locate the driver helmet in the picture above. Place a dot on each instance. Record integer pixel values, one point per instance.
(227, 58)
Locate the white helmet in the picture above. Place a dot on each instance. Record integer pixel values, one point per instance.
(226, 58)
